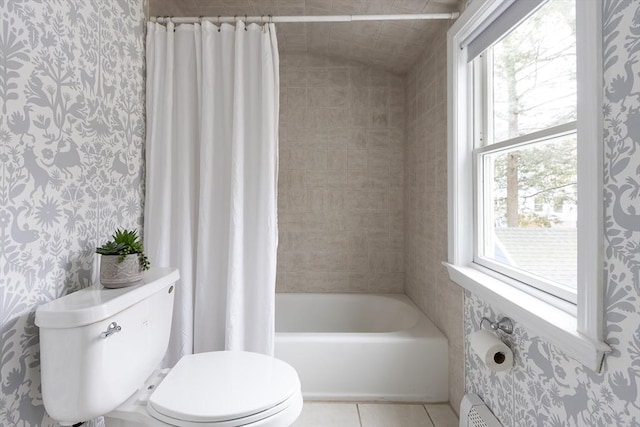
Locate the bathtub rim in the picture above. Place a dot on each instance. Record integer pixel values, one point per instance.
(422, 328)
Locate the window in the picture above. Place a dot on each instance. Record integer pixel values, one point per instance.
(525, 153)
(525, 165)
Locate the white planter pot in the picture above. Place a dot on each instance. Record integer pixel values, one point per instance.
(115, 274)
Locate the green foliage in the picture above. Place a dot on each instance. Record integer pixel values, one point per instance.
(125, 242)
(546, 173)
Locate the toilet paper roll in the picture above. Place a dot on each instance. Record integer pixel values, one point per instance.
(491, 350)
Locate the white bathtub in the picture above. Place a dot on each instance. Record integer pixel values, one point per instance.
(361, 347)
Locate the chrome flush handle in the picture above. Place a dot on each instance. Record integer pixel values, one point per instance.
(111, 329)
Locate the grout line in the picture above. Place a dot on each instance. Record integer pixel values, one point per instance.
(429, 415)
(359, 416)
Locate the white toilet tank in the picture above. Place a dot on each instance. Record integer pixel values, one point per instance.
(98, 346)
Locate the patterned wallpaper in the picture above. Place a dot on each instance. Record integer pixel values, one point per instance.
(71, 150)
(545, 387)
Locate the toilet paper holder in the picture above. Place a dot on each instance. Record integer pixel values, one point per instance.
(505, 325)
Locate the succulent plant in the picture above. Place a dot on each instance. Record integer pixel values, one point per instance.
(125, 242)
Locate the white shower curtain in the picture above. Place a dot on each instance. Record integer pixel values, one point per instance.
(211, 190)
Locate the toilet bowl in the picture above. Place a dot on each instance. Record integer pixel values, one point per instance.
(100, 349)
(221, 389)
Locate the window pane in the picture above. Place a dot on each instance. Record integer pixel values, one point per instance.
(534, 73)
(530, 209)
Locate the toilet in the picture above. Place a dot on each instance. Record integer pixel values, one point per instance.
(99, 353)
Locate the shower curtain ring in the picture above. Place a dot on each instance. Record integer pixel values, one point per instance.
(245, 22)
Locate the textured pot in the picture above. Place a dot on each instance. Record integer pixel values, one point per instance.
(115, 274)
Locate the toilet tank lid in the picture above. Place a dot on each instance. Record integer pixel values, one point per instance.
(96, 303)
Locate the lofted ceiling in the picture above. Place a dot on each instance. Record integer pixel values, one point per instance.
(392, 45)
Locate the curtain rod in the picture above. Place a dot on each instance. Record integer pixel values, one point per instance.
(308, 18)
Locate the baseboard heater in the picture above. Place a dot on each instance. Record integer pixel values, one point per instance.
(474, 413)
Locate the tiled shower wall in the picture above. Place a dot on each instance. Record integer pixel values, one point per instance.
(427, 282)
(341, 181)
(348, 176)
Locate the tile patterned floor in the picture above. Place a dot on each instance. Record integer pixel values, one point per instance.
(330, 414)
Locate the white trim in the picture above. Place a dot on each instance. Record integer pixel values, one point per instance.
(488, 20)
(508, 15)
(546, 320)
(530, 138)
(484, 211)
(580, 335)
(590, 169)
(525, 279)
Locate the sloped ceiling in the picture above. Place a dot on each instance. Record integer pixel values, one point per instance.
(392, 45)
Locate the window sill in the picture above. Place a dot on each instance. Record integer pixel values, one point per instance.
(542, 318)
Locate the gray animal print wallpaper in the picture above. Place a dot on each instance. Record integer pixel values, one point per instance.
(71, 150)
(545, 387)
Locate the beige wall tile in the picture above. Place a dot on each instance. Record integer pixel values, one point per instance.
(427, 282)
(363, 190)
(338, 77)
(336, 189)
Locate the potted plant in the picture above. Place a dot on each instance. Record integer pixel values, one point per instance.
(123, 260)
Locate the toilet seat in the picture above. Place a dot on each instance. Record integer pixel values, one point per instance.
(225, 389)
(293, 405)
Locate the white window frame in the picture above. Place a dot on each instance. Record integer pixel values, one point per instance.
(575, 329)
(524, 279)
